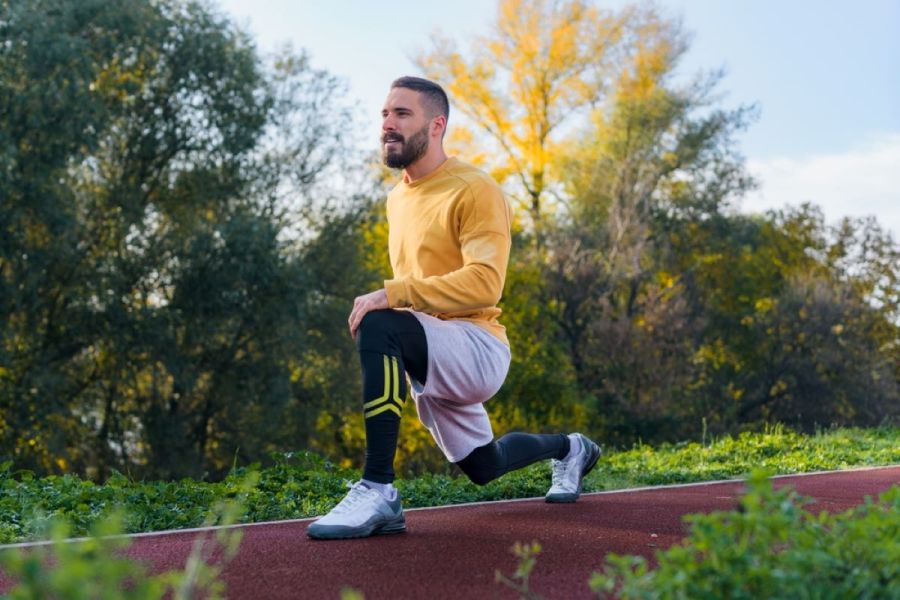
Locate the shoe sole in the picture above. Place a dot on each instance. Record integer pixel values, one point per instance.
(589, 466)
(337, 532)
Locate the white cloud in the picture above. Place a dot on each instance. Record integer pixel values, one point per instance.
(861, 182)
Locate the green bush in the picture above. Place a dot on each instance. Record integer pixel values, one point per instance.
(88, 569)
(777, 449)
(771, 548)
(96, 567)
(303, 484)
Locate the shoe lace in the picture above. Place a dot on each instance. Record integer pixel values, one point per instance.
(560, 468)
(358, 494)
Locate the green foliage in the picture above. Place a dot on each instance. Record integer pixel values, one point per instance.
(349, 593)
(527, 555)
(304, 484)
(674, 309)
(539, 370)
(161, 256)
(93, 568)
(771, 548)
(642, 302)
(778, 449)
(789, 337)
(97, 568)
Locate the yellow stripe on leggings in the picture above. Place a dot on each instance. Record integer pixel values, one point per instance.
(378, 411)
(396, 383)
(387, 388)
(384, 401)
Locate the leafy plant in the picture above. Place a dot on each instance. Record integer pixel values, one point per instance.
(771, 548)
(67, 569)
(71, 570)
(527, 555)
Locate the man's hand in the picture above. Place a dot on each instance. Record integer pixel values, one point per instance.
(364, 304)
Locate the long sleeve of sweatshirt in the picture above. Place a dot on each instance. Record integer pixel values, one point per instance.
(449, 242)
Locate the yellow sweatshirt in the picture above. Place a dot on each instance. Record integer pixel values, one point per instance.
(449, 240)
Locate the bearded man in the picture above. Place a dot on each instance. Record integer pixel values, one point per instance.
(436, 323)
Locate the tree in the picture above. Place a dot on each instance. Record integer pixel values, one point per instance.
(658, 159)
(154, 286)
(818, 360)
(626, 154)
(54, 58)
(545, 64)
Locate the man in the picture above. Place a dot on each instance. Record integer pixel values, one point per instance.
(437, 322)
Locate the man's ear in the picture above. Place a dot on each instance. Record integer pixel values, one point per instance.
(439, 125)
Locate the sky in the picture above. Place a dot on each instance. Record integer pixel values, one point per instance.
(824, 74)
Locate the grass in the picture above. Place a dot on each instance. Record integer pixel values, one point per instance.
(304, 484)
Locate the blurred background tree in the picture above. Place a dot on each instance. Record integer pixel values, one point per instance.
(634, 281)
(168, 257)
(185, 223)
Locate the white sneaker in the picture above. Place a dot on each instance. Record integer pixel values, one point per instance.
(362, 512)
(569, 473)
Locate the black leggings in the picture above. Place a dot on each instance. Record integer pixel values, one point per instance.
(392, 343)
(512, 451)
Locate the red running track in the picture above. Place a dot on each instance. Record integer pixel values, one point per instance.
(453, 552)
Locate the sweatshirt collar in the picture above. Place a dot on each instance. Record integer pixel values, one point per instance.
(436, 172)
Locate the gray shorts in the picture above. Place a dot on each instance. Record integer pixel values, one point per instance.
(466, 367)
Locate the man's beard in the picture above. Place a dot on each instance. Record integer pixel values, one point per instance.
(411, 150)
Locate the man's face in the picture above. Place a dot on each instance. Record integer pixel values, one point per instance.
(404, 128)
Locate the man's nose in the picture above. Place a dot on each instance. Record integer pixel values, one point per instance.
(388, 123)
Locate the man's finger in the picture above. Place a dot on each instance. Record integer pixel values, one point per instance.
(355, 318)
(354, 310)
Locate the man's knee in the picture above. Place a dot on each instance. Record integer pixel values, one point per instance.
(375, 331)
(477, 476)
(483, 464)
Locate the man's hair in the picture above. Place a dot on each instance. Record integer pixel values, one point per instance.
(434, 98)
